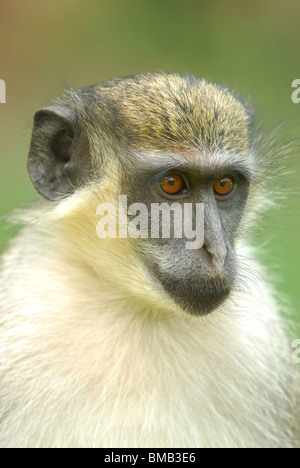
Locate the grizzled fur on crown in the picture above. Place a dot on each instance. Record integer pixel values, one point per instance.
(164, 112)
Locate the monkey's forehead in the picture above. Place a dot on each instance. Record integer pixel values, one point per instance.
(168, 112)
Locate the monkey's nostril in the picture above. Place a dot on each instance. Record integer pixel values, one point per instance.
(206, 256)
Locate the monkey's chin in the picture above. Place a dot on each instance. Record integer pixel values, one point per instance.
(196, 299)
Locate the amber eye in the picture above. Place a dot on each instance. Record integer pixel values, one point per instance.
(172, 184)
(223, 186)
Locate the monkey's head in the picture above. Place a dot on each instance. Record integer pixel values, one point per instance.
(156, 138)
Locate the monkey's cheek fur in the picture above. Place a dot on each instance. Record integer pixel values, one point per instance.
(194, 298)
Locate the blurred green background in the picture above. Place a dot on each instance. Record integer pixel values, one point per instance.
(252, 45)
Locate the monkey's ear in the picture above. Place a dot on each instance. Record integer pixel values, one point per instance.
(58, 157)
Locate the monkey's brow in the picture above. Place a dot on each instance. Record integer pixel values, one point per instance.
(204, 163)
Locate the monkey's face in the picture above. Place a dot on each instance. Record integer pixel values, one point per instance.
(194, 208)
(177, 141)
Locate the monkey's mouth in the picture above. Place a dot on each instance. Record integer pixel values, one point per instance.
(197, 298)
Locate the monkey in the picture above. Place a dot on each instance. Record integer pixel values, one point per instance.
(139, 342)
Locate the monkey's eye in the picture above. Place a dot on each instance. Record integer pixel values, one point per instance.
(172, 184)
(223, 186)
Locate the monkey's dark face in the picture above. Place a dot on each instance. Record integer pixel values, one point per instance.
(198, 279)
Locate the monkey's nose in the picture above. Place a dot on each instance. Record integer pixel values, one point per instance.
(212, 262)
(206, 257)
